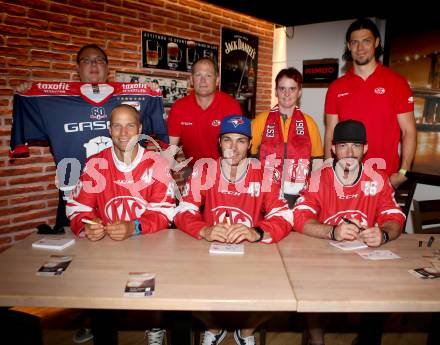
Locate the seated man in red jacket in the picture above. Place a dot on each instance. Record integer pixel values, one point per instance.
(124, 188)
(348, 200)
(124, 191)
(238, 204)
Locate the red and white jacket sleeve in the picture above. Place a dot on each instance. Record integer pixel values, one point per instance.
(83, 199)
(88, 200)
(188, 217)
(387, 207)
(307, 207)
(278, 218)
(160, 210)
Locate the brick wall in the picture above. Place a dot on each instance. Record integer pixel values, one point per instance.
(39, 40)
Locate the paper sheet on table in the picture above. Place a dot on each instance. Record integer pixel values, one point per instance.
(349, 245)
(378, 254)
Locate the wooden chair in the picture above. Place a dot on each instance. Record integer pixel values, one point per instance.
(426, 217)
(25, 325)
(404, 196)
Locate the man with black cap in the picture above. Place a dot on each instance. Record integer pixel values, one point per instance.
(238, 205)
(347, 192)
(348, 200)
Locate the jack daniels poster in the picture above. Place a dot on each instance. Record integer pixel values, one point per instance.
(173, 53)
(239, 68)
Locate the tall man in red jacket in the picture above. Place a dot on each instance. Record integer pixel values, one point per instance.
(378, 97)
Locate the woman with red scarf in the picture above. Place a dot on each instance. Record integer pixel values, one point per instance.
(287, 135)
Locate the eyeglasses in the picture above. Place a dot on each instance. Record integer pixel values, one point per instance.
(96, 60)
(284, 89)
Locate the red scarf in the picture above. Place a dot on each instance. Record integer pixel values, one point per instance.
(298, 150)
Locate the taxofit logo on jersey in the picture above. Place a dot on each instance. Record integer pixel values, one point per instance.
(133, 86)
(98, 113)
(125, 208)
(236, 215)
(343, 94)
(142, 88)
(216, 123)
(53, 87)
(410, 99)
(379, 90)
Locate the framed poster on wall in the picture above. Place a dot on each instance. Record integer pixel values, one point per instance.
(239, 68)
(172, 88)
(174, 53)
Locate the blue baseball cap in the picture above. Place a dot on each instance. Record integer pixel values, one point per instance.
(236, 124)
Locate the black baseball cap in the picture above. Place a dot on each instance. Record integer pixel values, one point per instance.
(350, 131)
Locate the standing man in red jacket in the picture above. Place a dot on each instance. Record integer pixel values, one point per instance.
(378, 97)
(194, 120)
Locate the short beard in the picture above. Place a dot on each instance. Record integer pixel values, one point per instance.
(363, 62)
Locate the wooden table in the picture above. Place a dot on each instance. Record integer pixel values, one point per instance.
(327, 279)
(187, 277)
(323, 278)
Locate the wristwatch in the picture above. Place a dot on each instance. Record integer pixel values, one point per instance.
(260, 232)
(137, 227)
(385, 236)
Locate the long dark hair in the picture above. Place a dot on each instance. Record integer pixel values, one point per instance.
(362, 23)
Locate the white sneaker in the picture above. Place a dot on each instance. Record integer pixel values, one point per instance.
(244, 341)
(155, 336)
(210, 338)
(82, 335)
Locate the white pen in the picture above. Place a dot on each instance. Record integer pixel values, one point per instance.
(88, 221)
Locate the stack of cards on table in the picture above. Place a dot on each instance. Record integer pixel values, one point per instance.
(227, 248)
(140, 284)
(425, 273)
(349, 245)
(55, 266)
(54, 243)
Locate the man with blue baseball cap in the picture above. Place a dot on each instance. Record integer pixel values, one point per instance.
(236, 124)
(238, 205)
